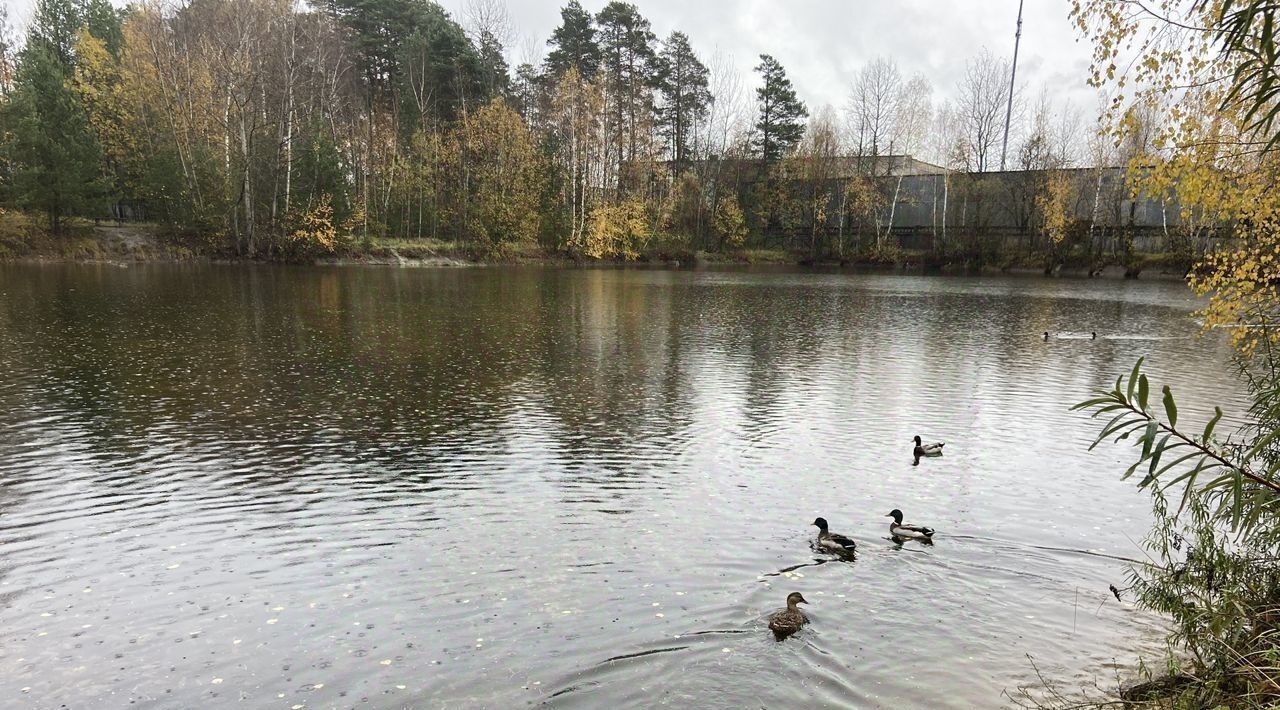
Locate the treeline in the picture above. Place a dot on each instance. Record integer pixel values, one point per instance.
(269, 129)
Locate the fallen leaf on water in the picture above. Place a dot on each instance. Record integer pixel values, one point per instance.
(272, 621)
(400, 687)
(386, 662)
(317, 686)
(216, 681)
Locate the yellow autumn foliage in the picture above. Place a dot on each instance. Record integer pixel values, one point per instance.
(1053, 201)
(615, 231)
(315, 231)
(1204, 152)
(99, 83)
(730, 224)
(493, 158)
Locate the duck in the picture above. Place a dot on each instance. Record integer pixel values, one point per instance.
(922, 449)
(1046, 336)
(1093, 336)
(785, 623)
(833, 542)
(900, 532)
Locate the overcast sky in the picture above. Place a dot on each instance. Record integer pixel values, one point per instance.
(823, 43)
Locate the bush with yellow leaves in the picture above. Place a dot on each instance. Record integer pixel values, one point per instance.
(616, 231)
(315, 233)
(730, 224)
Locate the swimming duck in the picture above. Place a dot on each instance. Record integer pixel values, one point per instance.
(901, 532)
(1094, 336)
(1046, 336)
(833, 542)
(922, 449)
(785, 623)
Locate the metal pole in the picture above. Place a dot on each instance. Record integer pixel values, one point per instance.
(1013, 76)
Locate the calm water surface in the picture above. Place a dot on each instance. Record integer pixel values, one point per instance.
(273, 487)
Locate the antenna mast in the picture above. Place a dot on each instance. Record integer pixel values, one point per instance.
(1013, 75)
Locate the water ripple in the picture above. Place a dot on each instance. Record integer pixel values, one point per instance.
(327, 487)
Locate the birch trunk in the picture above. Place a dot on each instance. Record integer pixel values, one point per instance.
(246, 188)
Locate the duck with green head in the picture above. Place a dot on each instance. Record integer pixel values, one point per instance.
(900, 531)
(787, 622)
(833, 542)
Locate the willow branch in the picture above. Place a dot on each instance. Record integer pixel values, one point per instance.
(1198, 446)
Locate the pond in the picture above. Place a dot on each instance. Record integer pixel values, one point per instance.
(335, 487)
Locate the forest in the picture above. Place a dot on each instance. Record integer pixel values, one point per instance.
(274, 130)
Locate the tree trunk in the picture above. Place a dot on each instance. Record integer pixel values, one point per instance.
(246, 187)
(288, 128)
(893, 208)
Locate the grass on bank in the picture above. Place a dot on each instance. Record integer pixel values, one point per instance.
(23, 235)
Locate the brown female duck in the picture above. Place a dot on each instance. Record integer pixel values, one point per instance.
(785, 623)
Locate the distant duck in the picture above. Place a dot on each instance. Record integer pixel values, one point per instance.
(833, 542)
(922, 449)
(899, 532)
(1094, 336)
(1046, 336)
(785, 623)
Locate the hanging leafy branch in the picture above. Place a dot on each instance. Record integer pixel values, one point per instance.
(1245, 31)
(1239, 481)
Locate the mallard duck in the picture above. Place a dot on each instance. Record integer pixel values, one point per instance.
(785, 623)
(834, 542)
(900, 532)
(922, 449)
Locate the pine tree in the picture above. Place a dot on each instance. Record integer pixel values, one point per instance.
(438, 69)
(494, 73)
(55, 25)
(56, 159)
(629, 64)
(685, 97)
(103, 22)
(780, 125)
(574, 43)
(415, 48)
(526, 92)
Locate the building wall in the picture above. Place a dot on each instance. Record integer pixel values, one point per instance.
(1001, 205)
